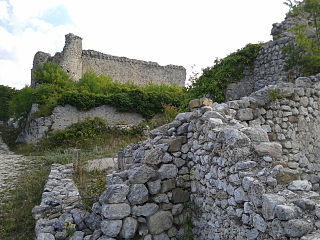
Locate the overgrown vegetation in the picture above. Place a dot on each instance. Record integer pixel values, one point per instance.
(6, 94)
(304, 53)
(56, 88)
(275, 94)
(87, 133)
(215, 79)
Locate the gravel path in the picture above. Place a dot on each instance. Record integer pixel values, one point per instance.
(10, 167)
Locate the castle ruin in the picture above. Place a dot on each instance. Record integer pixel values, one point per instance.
(76, 61)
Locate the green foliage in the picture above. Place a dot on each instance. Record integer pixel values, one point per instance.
(294, 7)
(275, 94)
(20, 104)
(6, 94)
(128, 100)
(50, 73)
(82, 133)
(304, 53)
(9, 135)
(91, 91)
(214, 80)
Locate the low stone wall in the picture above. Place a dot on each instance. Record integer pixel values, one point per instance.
(64, 116)
(59, 216)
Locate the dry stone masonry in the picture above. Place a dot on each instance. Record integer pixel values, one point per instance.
(76, 62)
(269, 66)
(244, 169)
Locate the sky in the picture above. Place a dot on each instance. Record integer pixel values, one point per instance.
(191, 33)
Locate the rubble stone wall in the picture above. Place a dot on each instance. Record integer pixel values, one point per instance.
(63, 117)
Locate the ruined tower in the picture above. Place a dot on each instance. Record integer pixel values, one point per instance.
(70, 59)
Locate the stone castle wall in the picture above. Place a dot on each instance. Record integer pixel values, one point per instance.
(125, 69)
(76, 62)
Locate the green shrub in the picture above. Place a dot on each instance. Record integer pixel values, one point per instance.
(275, 94)
(20, 104)
(84, 133)
(6, 94)
(303, 54)
(91, 91)
(130, 100)
(215, 80)
(51, 73)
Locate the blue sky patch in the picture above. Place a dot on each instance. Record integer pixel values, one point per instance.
(57, 16)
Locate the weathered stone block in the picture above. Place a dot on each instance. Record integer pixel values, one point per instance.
(245, 114)
(272, 149)
(285, 213)
(111, 228)
(300, 185)
(168, 171)
(116, 193)
(296, 228)
(141, 174)
(145, 210)
(179, 195)
(129, 228)
(160, 222)
(269, 202)
(138, 194)
(286, 175)
(116, 211)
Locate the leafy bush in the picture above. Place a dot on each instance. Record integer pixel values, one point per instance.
(129, 100)
(20, 104)
(304, 53)
(215, 80)
(82, 133)
(51, 73)
(92, 91)
(6, 94)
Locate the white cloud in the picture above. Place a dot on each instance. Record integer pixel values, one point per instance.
(182, 32)
(4, 10)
